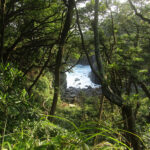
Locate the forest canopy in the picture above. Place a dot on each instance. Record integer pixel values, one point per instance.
(41, 40)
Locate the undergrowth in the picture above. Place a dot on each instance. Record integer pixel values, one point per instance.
(46, 135)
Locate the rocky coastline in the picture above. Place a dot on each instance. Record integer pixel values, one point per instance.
(72, 95)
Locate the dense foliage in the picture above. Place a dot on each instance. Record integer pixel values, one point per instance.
(42, 39)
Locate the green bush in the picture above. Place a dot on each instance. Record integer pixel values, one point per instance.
(13, 96)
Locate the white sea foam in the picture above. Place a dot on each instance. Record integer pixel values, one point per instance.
(79, 77)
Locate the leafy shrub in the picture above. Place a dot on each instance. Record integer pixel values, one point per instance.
(13, 96)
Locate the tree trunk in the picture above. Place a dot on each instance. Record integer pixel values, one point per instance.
(107, 91)
(111, 95)
(2, 27)
(96, 140)
(63, 37)
(56, 83)
(96, 42)
(101, 107)
(129, 125)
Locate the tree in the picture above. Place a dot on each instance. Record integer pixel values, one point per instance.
(25, 32)
(63, 36)
(137, 13)
(110, 91)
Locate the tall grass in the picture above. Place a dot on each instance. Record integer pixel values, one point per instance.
(46, 135)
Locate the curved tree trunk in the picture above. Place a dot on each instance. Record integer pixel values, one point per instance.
(114, 97)
(106, 90)
(63, 37)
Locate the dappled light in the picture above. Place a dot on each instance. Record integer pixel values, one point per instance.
(74, 75)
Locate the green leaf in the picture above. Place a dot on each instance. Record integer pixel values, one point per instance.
(85, 146)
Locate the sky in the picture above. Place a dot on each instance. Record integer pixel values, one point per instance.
(83, 4)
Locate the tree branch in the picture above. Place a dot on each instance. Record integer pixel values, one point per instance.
(138, 14)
